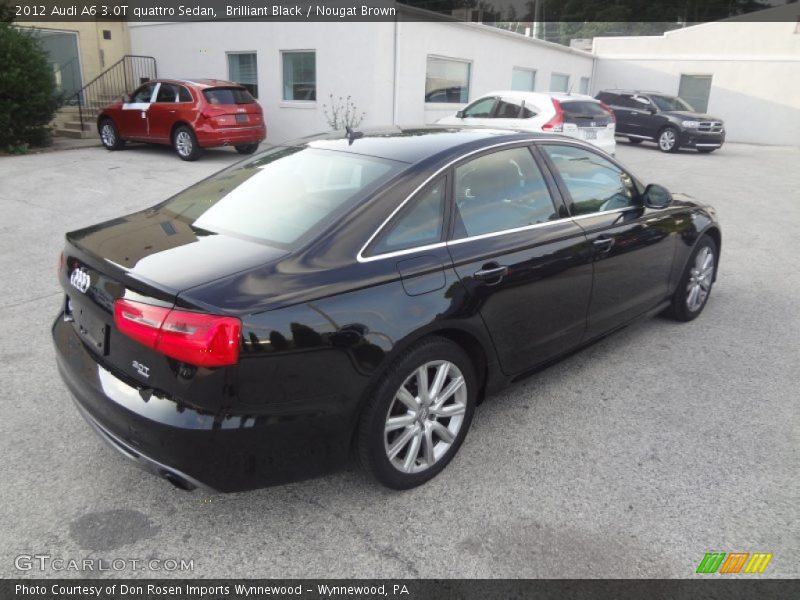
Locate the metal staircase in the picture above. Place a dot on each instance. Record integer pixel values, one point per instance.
(76, 118)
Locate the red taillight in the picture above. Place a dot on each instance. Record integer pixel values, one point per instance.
(195, 338)
(610, 112)
(556, 124)
(60, 263)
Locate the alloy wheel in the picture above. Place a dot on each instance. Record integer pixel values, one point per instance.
(107, 135)
(701, 277)
(666, 141)
(183, 143)
(425, 416)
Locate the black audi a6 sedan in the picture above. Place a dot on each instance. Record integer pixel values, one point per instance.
(361, 291)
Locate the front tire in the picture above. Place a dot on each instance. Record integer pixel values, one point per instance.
(668, 140)
(247, 148)
(695, 285)
(184, 142)
(418, 414)
(109, 135)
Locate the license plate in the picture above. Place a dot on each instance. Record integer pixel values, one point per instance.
(91, 329)
(590, 134)
(241, 118)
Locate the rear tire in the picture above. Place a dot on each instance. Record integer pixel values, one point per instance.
(247, 148)
(109, 135)
(184, 142)
(694, 288)
(668, 140)
(418, 414)
(634, 141)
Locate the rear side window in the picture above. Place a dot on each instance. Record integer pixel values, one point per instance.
(581, 108)
(500, 191)
(283, 195)
(594, 183)
(608, 98)
(184, 95)
(232, 95)
(419, 226)
(167, 93)
(512, 109)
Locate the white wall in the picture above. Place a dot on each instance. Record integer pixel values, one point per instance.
(351, 58)
(493, 53)
(356, 59)
(755, 68)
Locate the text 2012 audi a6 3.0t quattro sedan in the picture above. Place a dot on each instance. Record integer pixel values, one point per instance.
(361, 291)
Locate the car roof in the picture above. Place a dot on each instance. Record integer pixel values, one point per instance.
(202, 83)
(415, 144)
(635, 92)
(533, 96)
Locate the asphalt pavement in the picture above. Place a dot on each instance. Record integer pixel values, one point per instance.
(631, 458)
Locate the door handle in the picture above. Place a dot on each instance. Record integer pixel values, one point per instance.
(603, 244)
(492, 272)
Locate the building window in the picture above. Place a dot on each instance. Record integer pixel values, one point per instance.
(243, 69)
(585, 86)
(447, 80)
(299, 76)
(695, 89)
(523, 80)
(106, 34)
(559, 82)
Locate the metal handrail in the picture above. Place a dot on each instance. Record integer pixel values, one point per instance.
(114, 81)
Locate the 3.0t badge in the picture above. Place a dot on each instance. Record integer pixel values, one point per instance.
(80, 280)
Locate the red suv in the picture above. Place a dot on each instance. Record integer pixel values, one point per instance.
(189, 115)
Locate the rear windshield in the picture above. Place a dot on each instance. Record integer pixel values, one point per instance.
(282, 196)
(583, 108)
(230, 95)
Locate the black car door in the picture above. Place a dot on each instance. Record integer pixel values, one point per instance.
(633, 246)
(525, 265)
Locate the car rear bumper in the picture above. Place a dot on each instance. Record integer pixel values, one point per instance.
(209, 137)
(226, 452)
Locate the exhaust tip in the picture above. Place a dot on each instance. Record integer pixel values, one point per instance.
(178, 481)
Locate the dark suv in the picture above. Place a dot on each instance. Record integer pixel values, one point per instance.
(667, 120)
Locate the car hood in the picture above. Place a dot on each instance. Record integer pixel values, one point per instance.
(156, 247)
(692, 116)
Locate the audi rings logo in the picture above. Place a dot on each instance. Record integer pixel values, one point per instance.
(80, 280)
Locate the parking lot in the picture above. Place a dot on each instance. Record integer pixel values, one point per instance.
(631, 458)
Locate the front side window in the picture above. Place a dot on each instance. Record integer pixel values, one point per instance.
(243, 69)
(283, 195)
(143, 94)
(595, 184)
(500, 191)
(447, 80)
(420, 225)
(559, 82)
(481, 109)
(300, 76)
(523, 80)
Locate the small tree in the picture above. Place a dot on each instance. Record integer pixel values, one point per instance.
(28, 98)
(342, 113)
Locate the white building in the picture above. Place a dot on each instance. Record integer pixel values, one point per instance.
(397, 72)
(405, 72)
(746, 73)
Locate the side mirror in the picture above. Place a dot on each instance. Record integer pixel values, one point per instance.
(652, 110)
(656, 196)
(126, 98)
(460, 114)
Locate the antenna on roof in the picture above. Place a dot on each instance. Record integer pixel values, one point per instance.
(352, 135)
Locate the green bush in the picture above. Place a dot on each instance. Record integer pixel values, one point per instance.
(28, 97)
